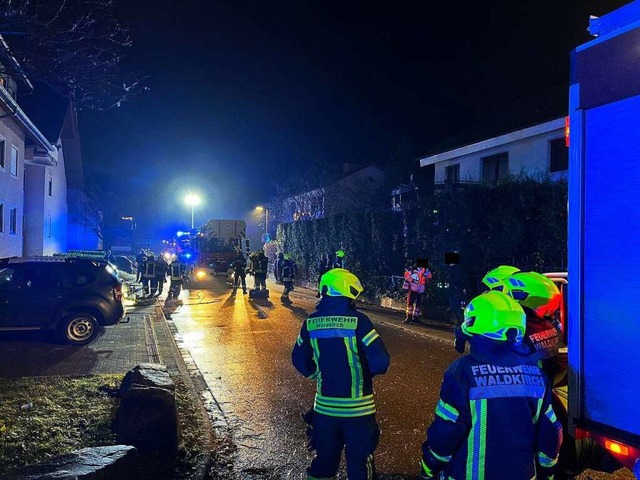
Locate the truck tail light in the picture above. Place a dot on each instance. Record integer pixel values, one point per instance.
(617, 448)
(566, 131)
(117, 293)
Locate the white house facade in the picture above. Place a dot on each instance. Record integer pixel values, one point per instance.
(537, 150)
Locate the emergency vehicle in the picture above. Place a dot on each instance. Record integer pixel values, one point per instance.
(216, 245)
(604, 239)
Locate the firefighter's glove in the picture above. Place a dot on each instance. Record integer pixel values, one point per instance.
(460, 341)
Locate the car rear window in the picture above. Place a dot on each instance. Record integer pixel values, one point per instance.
(82, 276)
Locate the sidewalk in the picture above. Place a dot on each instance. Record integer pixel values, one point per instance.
(144, 338)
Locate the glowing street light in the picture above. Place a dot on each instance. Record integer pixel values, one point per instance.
(192, 200)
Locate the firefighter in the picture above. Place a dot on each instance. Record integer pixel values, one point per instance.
(177, 272)
(493, 278)
(339, 349)
(141, 259)
(149, 279)
(339, 261)
(494, 418)
(239, 266)
(415, 281)
(288, 276)
(277, 268)
(259, 266)
(162, 267)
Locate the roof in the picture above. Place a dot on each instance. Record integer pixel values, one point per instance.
(553, 125)
(526, 112)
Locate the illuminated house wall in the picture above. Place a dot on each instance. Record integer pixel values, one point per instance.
(536, 150)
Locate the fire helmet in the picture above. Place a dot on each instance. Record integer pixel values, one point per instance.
(339, 282)
(492, 315)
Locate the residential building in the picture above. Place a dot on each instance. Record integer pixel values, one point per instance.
(536, 150)
(23, 147)
(357, 190)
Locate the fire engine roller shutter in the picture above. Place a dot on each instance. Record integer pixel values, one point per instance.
(611, 264)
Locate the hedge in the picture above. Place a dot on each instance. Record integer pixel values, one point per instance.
(520, 221)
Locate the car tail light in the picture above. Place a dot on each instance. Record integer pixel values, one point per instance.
(117, 293)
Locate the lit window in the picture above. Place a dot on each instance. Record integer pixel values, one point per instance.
(14, 161)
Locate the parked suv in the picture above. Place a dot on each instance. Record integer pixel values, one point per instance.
(73, 297)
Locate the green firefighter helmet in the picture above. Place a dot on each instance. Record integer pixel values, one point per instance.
(287, 256)
(339, 282)
(533, 290)
(340, 254)
(492, 315)
(493, 278)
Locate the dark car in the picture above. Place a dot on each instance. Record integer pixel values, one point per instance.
(73, 297)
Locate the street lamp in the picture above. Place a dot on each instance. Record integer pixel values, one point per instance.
(266, 217)
(193, 200)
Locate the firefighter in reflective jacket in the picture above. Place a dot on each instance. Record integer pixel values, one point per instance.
(177, 271)
(494, 418)
(339, 349)
(415, 281)
(288, 276)
(149, 279)
(259, 265)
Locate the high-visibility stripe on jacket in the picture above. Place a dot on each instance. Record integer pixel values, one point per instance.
(416, 279)
(340, 349)
(149, 269)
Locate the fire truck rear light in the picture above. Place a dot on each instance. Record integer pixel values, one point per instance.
(615, 447)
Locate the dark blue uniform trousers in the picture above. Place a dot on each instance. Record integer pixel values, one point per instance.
(358, 435)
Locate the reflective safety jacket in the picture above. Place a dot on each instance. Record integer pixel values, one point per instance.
(416, 279)
(339, 348)
(259, 264)
(177, 270)
(288, 270)
(494, 419)
(149, 269)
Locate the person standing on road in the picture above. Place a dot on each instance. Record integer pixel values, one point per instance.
(149, 279)
(141, 259)
(259, 266)
(277, 268)
(339, 261)
(288, 276)
(239, 266)
(340, 349)
(494, 418)
(415, 281)
(162, 267)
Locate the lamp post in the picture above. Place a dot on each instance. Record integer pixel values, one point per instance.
(266, 217)
(192, 200)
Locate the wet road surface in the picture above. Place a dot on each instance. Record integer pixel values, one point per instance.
(243, 350)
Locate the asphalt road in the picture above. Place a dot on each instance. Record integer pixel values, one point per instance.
(243, 350)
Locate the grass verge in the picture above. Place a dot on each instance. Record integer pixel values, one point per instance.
(43, 417)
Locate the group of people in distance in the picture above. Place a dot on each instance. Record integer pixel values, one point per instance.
(494, 418)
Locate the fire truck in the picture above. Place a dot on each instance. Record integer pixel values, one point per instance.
(604, 243)
(216, 244)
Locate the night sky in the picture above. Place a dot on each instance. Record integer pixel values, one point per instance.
(243, 92)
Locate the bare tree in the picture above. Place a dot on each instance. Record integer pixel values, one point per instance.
(73, 46)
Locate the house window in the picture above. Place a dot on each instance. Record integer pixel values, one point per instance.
(495, 167)
(14, 161)
(49, 228)
(13, 221)
(50, 187)
(1, 217)
(2, 146)
(558, 155)
(452, 173)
